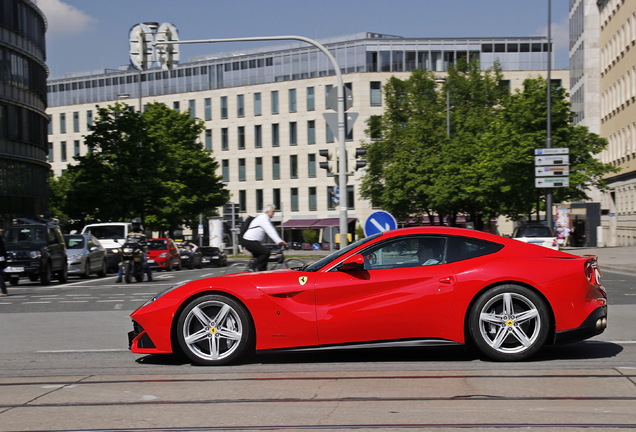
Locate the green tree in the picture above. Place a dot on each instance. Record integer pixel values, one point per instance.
(141, 165)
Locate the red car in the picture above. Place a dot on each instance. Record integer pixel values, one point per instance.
(163, 254)
(503, 296)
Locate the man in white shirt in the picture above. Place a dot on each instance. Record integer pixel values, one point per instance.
(260, 227)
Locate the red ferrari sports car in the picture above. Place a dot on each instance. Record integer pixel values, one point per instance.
(503, 296)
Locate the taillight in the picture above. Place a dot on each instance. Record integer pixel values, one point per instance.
(592, 272)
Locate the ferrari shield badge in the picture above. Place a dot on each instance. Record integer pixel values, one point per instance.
(302, 280)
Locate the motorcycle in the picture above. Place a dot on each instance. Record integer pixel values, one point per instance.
(132, 261)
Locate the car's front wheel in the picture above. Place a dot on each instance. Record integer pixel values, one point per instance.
(509, 323)
(214, 330)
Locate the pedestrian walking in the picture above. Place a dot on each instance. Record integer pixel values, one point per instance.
(3, 265)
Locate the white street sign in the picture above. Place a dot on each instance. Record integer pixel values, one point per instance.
(551, 182)
(551, 151)
(550, 171)
(551, 160)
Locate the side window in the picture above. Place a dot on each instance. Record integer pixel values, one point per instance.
(462, 248)
(405, 252)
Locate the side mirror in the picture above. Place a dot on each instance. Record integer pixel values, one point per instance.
(353, 263)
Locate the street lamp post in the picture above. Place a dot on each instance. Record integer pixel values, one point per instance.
(342, 152)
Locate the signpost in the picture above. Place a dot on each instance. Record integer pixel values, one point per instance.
(378, 222)
(551, 168)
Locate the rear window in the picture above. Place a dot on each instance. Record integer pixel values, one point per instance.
(533, 231)
(157, 245)
(463, 248)
(75, 242)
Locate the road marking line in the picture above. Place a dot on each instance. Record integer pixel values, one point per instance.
(81, 351)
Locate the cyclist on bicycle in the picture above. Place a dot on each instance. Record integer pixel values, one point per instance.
(260, 227)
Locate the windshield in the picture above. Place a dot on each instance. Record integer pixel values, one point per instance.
(334, 256)
(534, 231)
(74, 242)
(107, 231)
(157, 245)
(28, 234)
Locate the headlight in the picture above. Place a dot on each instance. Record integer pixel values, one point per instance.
(127, 250)
(35, 254)
(163, 293)
(115, 251)
(163, 255)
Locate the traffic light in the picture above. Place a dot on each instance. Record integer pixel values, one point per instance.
(141, 49)
(167, 53)
(331, 164)
(353, 163)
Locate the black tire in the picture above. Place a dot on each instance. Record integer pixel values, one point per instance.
(103, 270)
(128, 272)
(169, 265)
(509, 323)
(62, 275)
(139, 272)
(45, 274)
(14, 280)
(180, 266)
(215, 330)
(87, 270)
(34, 277)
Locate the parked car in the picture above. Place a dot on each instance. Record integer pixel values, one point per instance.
(86, 255)
(35, 250)
(163, 254)
(536, 234)
(505, 297)
(112, 236)
(213, 256)
(190, 255)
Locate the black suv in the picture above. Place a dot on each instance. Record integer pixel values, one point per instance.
(36, 250)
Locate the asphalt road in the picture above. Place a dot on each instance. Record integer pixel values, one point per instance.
(66, 366)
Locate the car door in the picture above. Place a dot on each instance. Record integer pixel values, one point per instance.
(394, 297)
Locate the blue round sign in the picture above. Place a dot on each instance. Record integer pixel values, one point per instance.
(315, 246)
(378, 222)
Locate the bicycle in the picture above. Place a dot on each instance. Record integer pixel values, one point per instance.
(248, 266)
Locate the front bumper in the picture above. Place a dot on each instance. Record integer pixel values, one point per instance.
(593, 325)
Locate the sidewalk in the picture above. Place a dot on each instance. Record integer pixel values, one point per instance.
(620, 258)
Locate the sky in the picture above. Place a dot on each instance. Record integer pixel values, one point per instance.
(86, 35)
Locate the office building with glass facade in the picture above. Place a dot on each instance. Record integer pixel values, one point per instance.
(263, 108)
(23, 121)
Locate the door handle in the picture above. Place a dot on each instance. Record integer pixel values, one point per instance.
(446, 280)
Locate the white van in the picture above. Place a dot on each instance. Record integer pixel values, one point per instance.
(112, 236)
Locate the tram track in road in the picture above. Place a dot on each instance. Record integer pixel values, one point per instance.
(442, 400)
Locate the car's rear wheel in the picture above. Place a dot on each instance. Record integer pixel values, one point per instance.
(509, 323)
(45, 274)
(62, 275)
(214, 330)
(102, 271)
(87, 270)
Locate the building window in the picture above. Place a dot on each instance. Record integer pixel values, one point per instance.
(176, 106)
(258, 136)
(257, 104)
(275, 135)
(225, 139)
(350, 198)
(293, 166)
(241, 137)
(240, 105)
(207, 108)
(259, 200)
(76, 126)
(275, 102)
(192, 107)
(311, 165)
(293, 107)
(293, 133)
(276, 198)
(51, 153)
(258, 168)
(328, 88)
(223, 107)
(276, 167)
(242, 201)
(241, 172)
(376, 93)
(208, 139)
(311, 132)
(225, 170)
(89, 118)
(332, 197)
(62, 123)
(63, 151)
(311, 99)
(313, 199)
(294, 199)
(76, 148)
